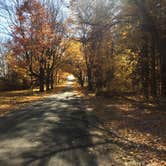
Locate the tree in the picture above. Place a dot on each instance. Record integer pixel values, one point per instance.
(55, 51)
(94, 20)
(32, 36)
(74, 61)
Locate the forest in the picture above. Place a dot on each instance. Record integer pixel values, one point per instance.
(112, 48)
(106, 45)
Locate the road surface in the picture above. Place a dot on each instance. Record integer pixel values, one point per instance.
(58, 131)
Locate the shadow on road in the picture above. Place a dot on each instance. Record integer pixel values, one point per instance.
(48, 132)
(58, 131)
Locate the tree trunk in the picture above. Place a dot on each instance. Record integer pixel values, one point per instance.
(81, 81)
(145, 71)
(48, 81)
(52, 81)
(47, 84)
(160, 41)
(163, 67)
(89, 75)
(99, 79)
(41, 79)
(153, 64)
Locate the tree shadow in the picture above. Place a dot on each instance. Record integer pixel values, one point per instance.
(59, 131)
(47, 132)
(141, 118)
(147, 118)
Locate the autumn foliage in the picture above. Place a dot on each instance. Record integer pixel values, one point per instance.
(108, 46)
(34, 42)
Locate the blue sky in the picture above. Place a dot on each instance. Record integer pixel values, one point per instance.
(5, 20)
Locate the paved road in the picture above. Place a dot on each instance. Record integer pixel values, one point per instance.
(57, 131)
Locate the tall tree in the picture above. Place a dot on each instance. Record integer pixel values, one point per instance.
(32, 35)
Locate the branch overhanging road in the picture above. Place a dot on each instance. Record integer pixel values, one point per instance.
(58, 131)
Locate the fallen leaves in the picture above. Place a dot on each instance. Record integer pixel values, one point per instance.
(143, 124)
(13, 100)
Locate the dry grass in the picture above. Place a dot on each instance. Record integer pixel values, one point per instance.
(12, 100)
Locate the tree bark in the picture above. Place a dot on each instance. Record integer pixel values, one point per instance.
(145, 70)
(89, 75)
(153, 64)
(163, 67)
(41, 79)
(52, 81)
(48, 80)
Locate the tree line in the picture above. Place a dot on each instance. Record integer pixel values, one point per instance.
(108, 45)
(131, 32)
(37, 39)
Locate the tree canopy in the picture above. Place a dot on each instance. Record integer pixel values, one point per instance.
(107, 45)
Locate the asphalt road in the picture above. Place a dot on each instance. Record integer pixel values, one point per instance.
(58, 131)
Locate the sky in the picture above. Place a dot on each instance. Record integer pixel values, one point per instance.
(5, 19)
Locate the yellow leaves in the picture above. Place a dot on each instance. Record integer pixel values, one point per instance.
(124, 64)
(74, 50)
(74, 58)
(124, 34)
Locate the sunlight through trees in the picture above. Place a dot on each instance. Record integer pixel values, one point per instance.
(107, 45)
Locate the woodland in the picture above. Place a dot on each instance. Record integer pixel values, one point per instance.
(115, 53)
(109, 46)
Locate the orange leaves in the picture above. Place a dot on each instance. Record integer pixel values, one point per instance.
(33, 32)
(32, 36)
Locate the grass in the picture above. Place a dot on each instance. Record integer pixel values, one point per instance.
(13, 100)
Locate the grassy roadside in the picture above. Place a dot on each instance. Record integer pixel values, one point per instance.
(141, 125)
(13, 100)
